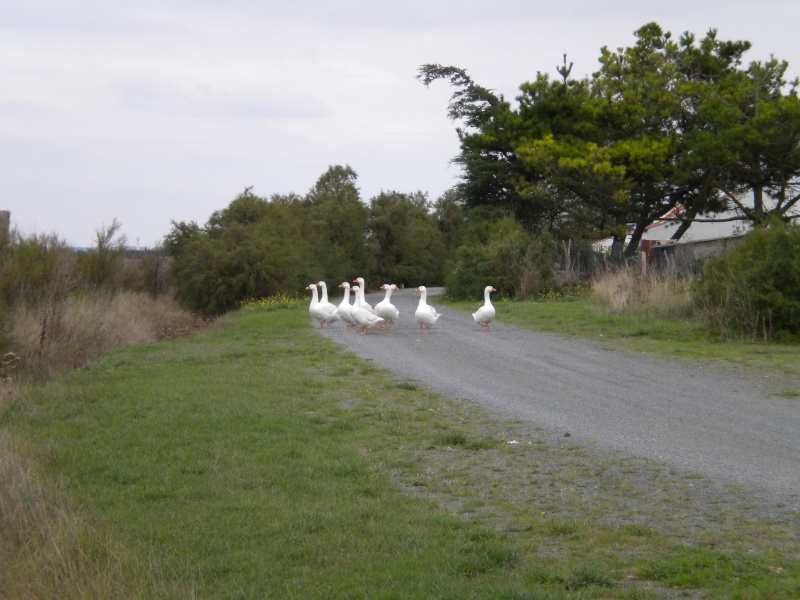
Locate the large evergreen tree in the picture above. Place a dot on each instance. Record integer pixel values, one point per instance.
(761, 132)
(661, 124)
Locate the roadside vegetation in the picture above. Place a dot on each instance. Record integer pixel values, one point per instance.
(63, 309)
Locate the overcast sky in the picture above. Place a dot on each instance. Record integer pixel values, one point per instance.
(153, 111)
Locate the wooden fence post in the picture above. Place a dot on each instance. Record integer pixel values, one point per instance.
(5, 228)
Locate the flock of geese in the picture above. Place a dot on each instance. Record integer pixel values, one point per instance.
(360, 316)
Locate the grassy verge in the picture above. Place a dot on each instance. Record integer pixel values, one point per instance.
(257, 460)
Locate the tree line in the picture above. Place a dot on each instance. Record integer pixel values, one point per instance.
(258, 247)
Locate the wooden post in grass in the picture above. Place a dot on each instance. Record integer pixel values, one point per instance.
(643, 257)
(5, 228)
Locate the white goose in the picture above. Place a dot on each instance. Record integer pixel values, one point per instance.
(425, 315)
(363, 318)
(362, 303)
(386, 309)
(486, 313)
(321, 313)
(345, 309)
(323, 298)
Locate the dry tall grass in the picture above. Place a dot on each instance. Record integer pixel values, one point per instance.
(46, 550)
(66, 333)
(624, 291)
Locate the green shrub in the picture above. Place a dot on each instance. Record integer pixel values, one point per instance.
(755, 288)
(101, 266)
(405, 241)
(33, 269)
(490, 254)
(5, 333)
(258, 249)
(498, 251)
(146, 271)
(216, 272)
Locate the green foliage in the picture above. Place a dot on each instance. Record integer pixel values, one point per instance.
(537, 276)
(405, 241)
(180, 236)
(259, 248)
(756, 128)
(146, 271)
(470, 269)
(497, 251)
(217, 271)
(662, 123)
(244, 210)
(34, 269)
(487, 155)
(100, 266)
(755, 288)
(449, 213)
(338, 221)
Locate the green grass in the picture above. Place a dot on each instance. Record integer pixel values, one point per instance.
(257, 460)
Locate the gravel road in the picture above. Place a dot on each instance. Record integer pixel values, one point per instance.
(696, 418)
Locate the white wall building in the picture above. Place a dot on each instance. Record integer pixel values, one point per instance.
(705, 238)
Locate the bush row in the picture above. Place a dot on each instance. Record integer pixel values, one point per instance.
(754, 290)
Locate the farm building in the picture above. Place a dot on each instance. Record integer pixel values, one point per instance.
(711, 235)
